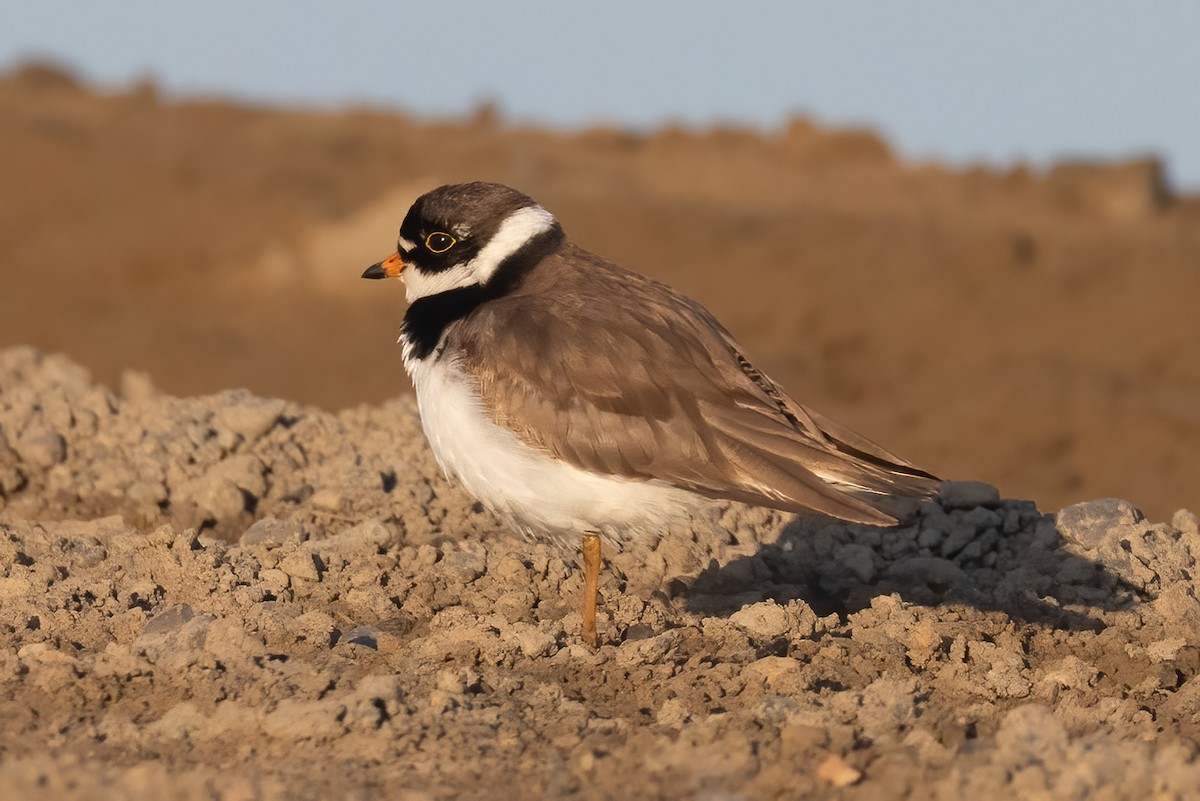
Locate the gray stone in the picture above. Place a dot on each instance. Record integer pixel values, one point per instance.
(271, 531)
(967, 494)
(249, 417)
(168, 620)
(935, 573)
(1088, 524)
(859, 559)
(40, 447)
(463, 566)
(930, 536)
(957, 540)
(366, 636)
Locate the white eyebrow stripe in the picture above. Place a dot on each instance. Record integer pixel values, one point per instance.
(517, 229)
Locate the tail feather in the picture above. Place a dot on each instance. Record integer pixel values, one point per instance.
(819, 466)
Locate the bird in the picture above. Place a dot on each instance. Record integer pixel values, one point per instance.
(584, 402)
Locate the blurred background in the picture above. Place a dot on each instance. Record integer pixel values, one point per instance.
(970, 232)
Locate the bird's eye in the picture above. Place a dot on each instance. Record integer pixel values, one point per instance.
(439, 242)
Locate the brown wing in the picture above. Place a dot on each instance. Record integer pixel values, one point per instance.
(618, 374)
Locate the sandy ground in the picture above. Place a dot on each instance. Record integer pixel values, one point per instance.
(228, 597)
(1035, 329)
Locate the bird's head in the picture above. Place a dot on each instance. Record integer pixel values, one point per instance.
(459, 236)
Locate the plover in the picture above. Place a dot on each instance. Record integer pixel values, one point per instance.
(580, 400)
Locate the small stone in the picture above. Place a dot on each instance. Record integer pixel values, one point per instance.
(859, 559)
(227, 639)
(302, 565)
(515, 605)
(673, 713)
(274, 580)
(1165, 650)
(327, 499)
(956, 540)
(765, 620)
(777, 709)
(1187, 522)
(774, 668)
(463, 566)
(937, 574)
(368, 536)
(452, 682)
(41, 447)
(271, 531)
(1087, 524)
(930, 536)
(168, 620)
(315, 627)
(294, 719)
(967, 494)
(1071, 672)
(250, 418)
(835, 771)
(366, 636)
(980, 518)
(534, 642)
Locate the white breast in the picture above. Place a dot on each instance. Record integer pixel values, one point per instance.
(537, 493)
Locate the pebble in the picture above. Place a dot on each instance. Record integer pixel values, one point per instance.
(168, 620)
(40, 447)
(1087, 524)
(250, 417)
(859, 559)
(765, 620)
(302, 565)
(327, 499)
(956, 541)
(1187, 522)
(936, 573)
(365, 636)
(271, 531)
(463, 566)
(837, 772)
(967, 494)
(673, 713)
(930, 536)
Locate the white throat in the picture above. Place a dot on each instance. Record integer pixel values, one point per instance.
(517, 229)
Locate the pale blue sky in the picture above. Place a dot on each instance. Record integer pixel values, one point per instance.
(958, 80)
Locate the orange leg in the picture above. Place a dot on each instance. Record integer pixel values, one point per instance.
(591, 578)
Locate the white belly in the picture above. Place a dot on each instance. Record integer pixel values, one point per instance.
(537, 493)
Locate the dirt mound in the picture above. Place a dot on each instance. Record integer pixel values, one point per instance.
(231, 597)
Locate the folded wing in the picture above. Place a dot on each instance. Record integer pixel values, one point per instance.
(621, 375)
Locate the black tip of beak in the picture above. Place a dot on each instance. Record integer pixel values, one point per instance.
(375, 271)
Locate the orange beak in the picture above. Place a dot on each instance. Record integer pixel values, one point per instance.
(388, 268)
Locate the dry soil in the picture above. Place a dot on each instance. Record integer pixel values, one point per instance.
(228, 597)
